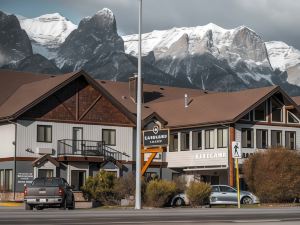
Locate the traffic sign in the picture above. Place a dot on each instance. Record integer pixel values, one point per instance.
(236, 150)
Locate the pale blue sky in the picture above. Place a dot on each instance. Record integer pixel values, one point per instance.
(272, 19)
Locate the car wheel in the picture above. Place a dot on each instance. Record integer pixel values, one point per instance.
(179, 202)
(28, 207)
(247, 201)
(63, 205)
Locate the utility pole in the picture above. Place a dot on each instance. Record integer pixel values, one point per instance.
(139, 117)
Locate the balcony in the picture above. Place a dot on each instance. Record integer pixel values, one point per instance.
(69, 147)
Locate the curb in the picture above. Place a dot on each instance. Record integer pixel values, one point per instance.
(10, 204)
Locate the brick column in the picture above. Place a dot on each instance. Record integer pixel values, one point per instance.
(230, 160)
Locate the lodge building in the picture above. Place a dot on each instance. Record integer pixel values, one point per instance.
(72, 126)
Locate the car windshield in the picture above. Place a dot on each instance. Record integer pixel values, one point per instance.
(46, 182)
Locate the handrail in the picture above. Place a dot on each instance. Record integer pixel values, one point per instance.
(88, 148)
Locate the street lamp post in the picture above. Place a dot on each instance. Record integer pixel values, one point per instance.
(139, 117)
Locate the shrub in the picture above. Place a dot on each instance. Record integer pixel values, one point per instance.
(181, 184)
(158, 192)
(125, 186)
(101, 188)
(198, 193)
(274, 175)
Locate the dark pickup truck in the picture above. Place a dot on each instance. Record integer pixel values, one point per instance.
(49, 192)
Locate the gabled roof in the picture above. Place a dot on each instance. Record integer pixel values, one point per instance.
(30, 91)
(151, 93)
(45, 158)
(215, 108)
(21, 91)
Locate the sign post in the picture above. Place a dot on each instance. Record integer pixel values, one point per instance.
(154, 141)
(237, 154)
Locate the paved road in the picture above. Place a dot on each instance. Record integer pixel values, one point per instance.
(285, 216)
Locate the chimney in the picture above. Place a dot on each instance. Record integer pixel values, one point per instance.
(133, 85)
(186, 101)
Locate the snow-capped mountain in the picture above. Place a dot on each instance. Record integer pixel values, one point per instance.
(281, 55)
(47, 32)
(285, 58)
(239, 52)
(208, 57)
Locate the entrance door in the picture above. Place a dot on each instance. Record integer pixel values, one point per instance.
(77, 140)
(77, 179)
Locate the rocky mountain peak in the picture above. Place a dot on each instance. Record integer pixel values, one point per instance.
(95, 37)
(15, 44)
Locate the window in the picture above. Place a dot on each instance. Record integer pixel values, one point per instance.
(246, 117)
(44, 133)
(109, 136)
(8, 181)
(276, 111)
(185, 141)
(197, 140)
(209, 139)
(260, 112)
(45, 173)
(173, 147)
(1, 180)
(292, 118)
(222, 137)
(276, 138)
(227, 189)
(261, 139)
(290, 140)
(247, 138)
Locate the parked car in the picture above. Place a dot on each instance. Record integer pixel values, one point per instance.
(49, 192)
(220, 195)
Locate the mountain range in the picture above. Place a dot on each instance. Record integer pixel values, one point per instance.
(207, 57)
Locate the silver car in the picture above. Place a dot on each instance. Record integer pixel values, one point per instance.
(220, 195)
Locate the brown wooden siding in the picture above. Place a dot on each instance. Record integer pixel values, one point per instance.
(78, 102)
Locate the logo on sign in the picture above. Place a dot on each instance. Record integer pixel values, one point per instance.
(155, 129)
(236, 150)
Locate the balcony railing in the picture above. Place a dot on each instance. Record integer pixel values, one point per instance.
(88, 148)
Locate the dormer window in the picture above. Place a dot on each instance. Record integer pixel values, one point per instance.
(260, 113)
(276, 111)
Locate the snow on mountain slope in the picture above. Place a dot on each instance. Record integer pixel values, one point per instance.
(242, 49)
(48, 30)
(282, 56)
(231, 44)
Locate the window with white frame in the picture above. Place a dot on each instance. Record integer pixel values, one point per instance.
(290, 140)
(173, 145)
(292, 118)
(247, 138)
(185, 141)
(261, 138)
(260, 113)
(222, 137)
(197, 140)
(109, 136)
(276, 111)
(276, 138)
(44, 133)
(209, 139)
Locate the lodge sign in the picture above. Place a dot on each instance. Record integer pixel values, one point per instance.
(156, 137)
